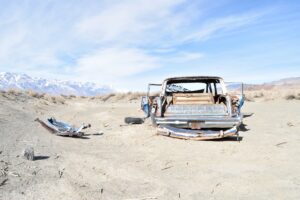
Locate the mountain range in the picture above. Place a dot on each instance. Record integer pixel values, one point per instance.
(24, 82)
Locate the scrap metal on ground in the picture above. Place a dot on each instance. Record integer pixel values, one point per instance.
(62, 128)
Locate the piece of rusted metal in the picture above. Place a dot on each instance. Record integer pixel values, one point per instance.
(196, 134)
(61, 128)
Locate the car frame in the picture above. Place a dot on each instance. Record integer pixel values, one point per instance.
(194, 114)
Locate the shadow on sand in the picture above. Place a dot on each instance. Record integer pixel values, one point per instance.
(245, 115)
(94, 134)
(243, 128)
(41, 157)
(229, 139)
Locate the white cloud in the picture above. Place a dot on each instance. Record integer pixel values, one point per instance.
(210, 28)
(104, 41)
(133, 22)
(187, 56)
(113, 63)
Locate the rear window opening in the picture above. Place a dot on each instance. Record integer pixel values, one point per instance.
(212, 87)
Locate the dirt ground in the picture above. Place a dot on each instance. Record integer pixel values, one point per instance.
(115, 161)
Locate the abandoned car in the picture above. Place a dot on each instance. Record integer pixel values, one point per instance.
(198, 108)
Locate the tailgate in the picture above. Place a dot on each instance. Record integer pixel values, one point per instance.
(196, 110)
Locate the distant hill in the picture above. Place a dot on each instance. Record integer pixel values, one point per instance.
(287, 81)
(25, 82)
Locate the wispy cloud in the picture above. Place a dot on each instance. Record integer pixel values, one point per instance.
(107, 40)
(113, 63)
(221, 24)
(132, 22)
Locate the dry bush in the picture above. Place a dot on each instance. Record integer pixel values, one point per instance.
(249, 97)
(120, 96)
(60, 99)
(48, 98)
(107, 96)
(98, 97)
(54, 99)
(35, 94)
(275, 93)
(290, 97)
(136, 95)
(64, 96)
(31, 93)
(293, 96)
(67, 96)
(14, 92)
(3, 93)
(259, 95)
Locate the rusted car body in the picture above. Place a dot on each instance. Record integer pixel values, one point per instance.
(198, 108)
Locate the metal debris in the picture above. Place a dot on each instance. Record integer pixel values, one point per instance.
(62, 128)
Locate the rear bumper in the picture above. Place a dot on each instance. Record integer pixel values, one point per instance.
(200, 122)
(196, 134)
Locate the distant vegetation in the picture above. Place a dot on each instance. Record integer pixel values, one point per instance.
(258, 94)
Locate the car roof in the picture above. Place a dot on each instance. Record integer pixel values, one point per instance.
(193, 78)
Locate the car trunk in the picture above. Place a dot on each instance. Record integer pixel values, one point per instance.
(194, 104)
(197, 111)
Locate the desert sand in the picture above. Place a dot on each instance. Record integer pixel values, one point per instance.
(118, 161)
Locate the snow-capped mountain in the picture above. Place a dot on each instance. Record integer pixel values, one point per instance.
(24, 82)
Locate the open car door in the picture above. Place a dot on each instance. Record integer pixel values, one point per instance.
(152, 92)
(236, 91)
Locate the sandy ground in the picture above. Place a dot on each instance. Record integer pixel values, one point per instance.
(122, 162)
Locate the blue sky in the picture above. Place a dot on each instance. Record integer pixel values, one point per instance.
(127, 44)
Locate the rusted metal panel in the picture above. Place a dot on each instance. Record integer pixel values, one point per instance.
(193, 98)
(196, 134)
(196, 110)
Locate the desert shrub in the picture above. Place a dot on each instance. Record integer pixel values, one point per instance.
(59, 99)
(259, 95)
(107, 96)
(249, 97)
(127, 96)
(136, 95)
(64, 96)
(14, 92)
(290, 97)
(2, 92)
(120, 96)
(293, 96)
(41, 95)
(35, 94)
(54, 99)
